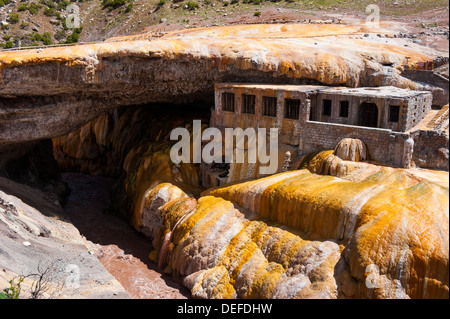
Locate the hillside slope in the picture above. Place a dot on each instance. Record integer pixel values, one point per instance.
(43, 22)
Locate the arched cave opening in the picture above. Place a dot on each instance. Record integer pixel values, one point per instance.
(85, 171)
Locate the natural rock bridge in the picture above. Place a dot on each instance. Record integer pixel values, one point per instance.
(49, 92)
(310, 232)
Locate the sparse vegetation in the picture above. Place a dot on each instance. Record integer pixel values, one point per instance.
(254, 1)
(42, 9)
(22, 7)
(13, 291)
(113, 4)
(45, 38)
(14, 18)
(48, 3)
(33, 8)
(24, 25)
(4, 2)
(9, 45)
(60, 34)
(192, 5)
(49, 12)
(73, 38)
(44, 279)
(153, 11)
(62, 5)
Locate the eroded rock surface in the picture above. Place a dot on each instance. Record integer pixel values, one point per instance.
(224, 254)
(37, 238)
(391, 224)
(51, 92)
(389, 221)
(319, 232)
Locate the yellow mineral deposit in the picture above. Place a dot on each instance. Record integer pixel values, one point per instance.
(223, 254)
(351, 149)
(318, 232)
(299, 50)
(230, 244)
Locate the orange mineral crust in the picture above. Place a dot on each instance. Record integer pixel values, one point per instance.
(391, 219)
(342, 228)
(328, 53)
(51, 92)
(302, 235)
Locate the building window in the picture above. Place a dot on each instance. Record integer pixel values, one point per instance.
(248, 104)
(228, 102)
(326, 108)
(269, 106)
(343, 110)
(291, 108)
(394, 113)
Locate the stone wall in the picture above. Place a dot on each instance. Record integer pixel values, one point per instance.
(412, 108)
(417, 108)
(289, 129)
(439, 84)
(384, 145)
(431, 149)
(425, 76)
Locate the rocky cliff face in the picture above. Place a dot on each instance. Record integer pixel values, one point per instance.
(101, 146)
(39, 242)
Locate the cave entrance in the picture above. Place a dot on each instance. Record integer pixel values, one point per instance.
(108, 162)
(368, 114)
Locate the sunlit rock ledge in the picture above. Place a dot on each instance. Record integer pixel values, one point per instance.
(50, 92)
(342, 227)
(297, 234)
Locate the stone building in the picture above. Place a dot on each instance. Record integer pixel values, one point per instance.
(315, 118)
(381, 107)
(283, 106)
